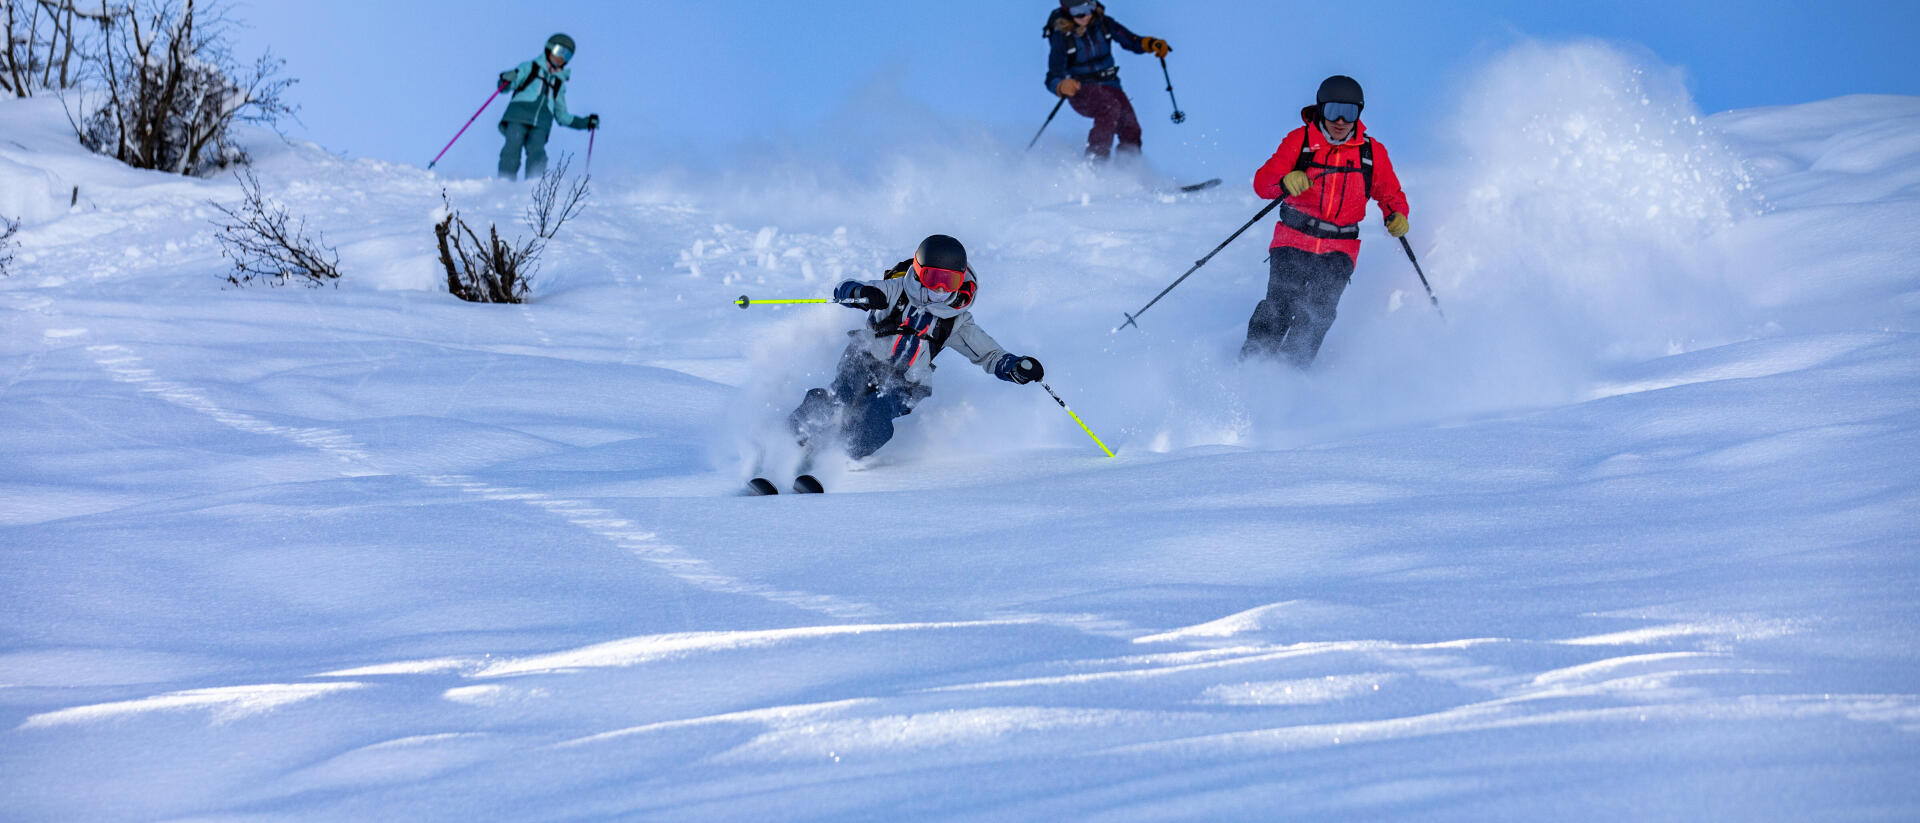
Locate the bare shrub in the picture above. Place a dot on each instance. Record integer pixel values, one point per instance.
(493, 270)
(173, 89)
(267, 244)
(47, 44)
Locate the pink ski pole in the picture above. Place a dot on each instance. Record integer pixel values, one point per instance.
(463, 129)
(590, 135)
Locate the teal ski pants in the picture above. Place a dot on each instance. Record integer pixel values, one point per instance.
(524, 137)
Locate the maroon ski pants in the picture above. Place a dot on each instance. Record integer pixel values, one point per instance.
(1112, 115)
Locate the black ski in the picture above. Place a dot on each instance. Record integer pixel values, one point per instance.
(1202, 185)
(761, 486)
(807, 484)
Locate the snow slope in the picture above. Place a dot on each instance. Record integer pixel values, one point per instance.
(1631, 534)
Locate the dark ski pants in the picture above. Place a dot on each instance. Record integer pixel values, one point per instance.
(528, 137)
(1112, 115)
(1303, 290)
(858, 409)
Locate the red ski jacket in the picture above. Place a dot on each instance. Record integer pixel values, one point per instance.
(1337, 198)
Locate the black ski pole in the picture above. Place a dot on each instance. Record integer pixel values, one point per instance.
(1423, 276)
(1197, 264)
(1043, 126)
(1178, 115)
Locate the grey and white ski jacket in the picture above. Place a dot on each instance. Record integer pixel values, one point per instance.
(916, 327)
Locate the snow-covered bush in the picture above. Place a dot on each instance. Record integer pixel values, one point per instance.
(266, 243)
(47, 43)
(493, 270)
(173, 90)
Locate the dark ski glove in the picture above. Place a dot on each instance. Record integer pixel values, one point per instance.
(506, 79)
(1018, 370)
(856, 294)
(593, 122)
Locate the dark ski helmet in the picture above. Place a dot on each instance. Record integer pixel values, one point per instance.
(941, 252)
(940, 265)
(1340, 89)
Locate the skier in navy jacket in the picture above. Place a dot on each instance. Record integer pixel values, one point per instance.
(1080, 68)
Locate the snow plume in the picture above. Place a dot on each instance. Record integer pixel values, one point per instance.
(1585, 208)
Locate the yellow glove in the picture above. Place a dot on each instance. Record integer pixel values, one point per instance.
(1069, 87)
(1397, 225)
(1295, 182)
(1156, 45)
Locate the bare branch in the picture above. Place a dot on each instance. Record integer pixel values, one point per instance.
(266, 243)
(492, 270)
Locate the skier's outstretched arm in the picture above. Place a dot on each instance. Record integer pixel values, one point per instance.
(973, 342)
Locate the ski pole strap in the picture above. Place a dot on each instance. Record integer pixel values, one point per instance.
(743, 301)
(1076, 419)
(1311, 226)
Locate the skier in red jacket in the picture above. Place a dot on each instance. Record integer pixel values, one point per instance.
(1326, 170)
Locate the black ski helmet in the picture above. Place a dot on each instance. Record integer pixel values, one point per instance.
(941, 252)
(1340, 89)
(563, 41)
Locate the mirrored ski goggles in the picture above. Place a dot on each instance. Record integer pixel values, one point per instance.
(944, 280)
(1349, 112)
(560, 53)
(1080, 10)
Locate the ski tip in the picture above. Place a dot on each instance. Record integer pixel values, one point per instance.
(1202, 185)
(761, 486)
(807, 484)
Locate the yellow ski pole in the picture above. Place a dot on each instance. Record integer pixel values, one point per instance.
(743, 302)
(1076, 419)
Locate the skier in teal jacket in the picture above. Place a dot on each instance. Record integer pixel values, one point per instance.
(539, 100)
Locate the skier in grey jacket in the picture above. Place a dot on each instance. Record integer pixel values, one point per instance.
(913, 314)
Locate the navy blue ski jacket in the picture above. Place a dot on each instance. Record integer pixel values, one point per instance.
(1086, 57)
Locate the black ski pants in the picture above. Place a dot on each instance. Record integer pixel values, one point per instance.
(1303, 290)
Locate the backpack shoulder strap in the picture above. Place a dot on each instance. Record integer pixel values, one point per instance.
(1306, 151)
(531, 76)
(1366, 164)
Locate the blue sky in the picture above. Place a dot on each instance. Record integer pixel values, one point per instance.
(682, 82)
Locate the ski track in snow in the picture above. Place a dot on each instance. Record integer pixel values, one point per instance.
(127, 367)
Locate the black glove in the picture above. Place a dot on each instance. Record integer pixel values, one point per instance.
(593, 122)
(1017, 370)
(856, 294)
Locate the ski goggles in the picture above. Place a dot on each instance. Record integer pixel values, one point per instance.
(1080, 10)
(1349, 112)
(560, 53)
(941, 280)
